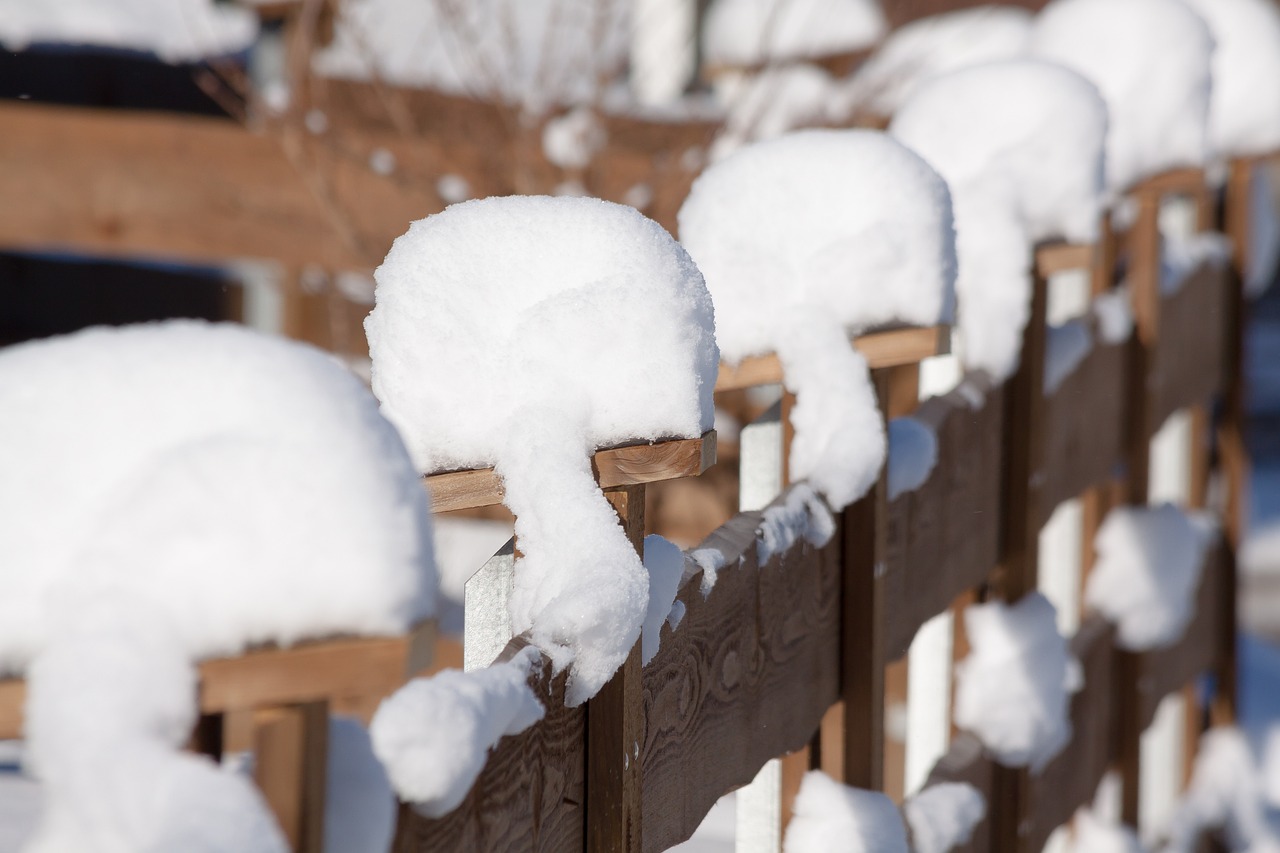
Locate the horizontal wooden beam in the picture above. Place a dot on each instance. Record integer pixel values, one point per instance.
(616, 466)
(1054, 258)
(891, 348)
(1186, 180)
(306, 672)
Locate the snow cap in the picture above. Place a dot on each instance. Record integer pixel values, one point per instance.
(753, 32)
(1020, 143)
(1150, 59)
(831, 816)
(524, 333)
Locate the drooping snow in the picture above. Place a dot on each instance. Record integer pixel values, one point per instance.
(1150, 59)
(801, 516)
(943, 816)
(932, 46)
(525, 333)
(245, 485)
(534, 53)
(1093, 834)
(805, 240)
(754, 32)
(173, 30)
(434, 734)
(913, 451)
(1147, 572)
(1012, 690)
(1226, 793)
(1020, 143)
(360, 806)
(1065, 347)
(1244, 116)
(1113, 312)
(1181, 256)
(710, 561)
(830, 816)
(664, 561)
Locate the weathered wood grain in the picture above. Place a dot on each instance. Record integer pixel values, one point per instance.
(942, 537)
(745, 677)
(1084, 426)
(1188, 359)
(630, 465)
(1071, 779)
(530, 795)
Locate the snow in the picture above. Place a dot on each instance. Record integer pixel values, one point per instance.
(1151, 61)
(805, 240)
(1093, 834)
(830, 816)
(534, 53)
(755, 32)
(360, 806)
(1226, 790)
(525, 333)
(1264, 233)
(1147, 572)
(1244, 114)
(932, 46)
(1012, 690)
(1020, 143)
(1065, 347)
(1181, 256)
(570, 141)
(1113, 313)
(1260, 551)
(244, 485)
(453, 188)
(767, 104)
(801, 515)
(913, 451)
(664, 561)
(943, 816)
(710, 561)
(434, 734)
(174, 30)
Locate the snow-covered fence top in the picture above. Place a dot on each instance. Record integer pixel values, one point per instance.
(524, 333)
(1151, 60)
(1020, 144)
(756, 32)
(805, 241)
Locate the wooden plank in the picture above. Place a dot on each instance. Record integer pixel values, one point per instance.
(1054, 258)
(1071, 779)
(1188, 360)
(615, 725)
(943, 538)
(745, 678)
(1185, 181)
(891, 348)
(290, 744)
(530, 795)
(616, 466)
(118, 183)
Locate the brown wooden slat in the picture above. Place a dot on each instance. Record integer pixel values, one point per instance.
(745, 678)
(1085, 426)
(892, 348)
(901, 12)
(530, 794)
(616, 466)
(942, 537)
(1188, 360)
(1054, 258)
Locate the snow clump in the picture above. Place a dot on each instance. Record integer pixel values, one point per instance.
(755, 32)
(1147, 573)
(1020, 143)
(932, 46)
(1150, 59)
(799, 515)
(1013, 689)
(830, 816)
(806, 240)
(664, 561)
(434, 734)
(943, 816)
(1226, 794)
(913, 451)
(525, 333)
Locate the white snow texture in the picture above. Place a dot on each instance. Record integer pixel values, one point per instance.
(1150, 59)
(913, 451)
(1012, 691)
(1226, 793)
(1147, 572)
(525, 333)
(805, 240)
(753, 32)
(434, 734)
(1020, 143)
(801, 515)
(829, 816)
(943, 816)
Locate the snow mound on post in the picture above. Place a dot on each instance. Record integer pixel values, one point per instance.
(1147, 573)
(1244, 113)
(932, 46)
(754, 32)
(805, 240)
(525, 333)
(943, 816)
(244, 484)
(1226, 794)
(1012, 690)
(434, 734)
(1151, 61)
(1020, 143)
(830, 816)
